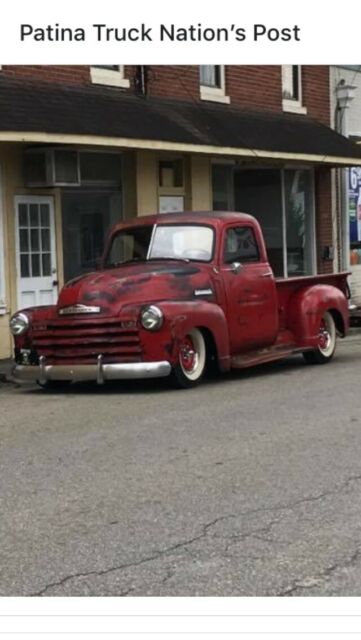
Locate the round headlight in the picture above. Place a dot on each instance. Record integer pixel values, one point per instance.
(152, 318)
(19, 323)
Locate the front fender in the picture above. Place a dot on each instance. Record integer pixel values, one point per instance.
(306, 308)
(180, 317)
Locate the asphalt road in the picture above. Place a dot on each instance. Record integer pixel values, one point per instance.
(250, 485)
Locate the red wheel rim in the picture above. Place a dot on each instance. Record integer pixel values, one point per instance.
(323, 336)
(188, 354)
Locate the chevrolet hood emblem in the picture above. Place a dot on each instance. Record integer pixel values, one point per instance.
(78, 308)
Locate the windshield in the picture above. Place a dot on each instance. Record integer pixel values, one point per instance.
(174, 242)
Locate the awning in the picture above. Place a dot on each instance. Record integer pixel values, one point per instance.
(91, 115)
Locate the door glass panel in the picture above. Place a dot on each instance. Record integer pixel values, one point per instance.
(299, 221)
(45, 239)
(35, 265)
(24, 265)
(46, 264)
(34, 215)
(23, 215)
(24, 240)
(45, 217)
(34, 236)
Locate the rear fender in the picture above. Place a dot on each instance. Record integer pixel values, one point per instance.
(183, 316)
(306, 308)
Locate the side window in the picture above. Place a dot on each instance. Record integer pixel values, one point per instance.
(240, 246)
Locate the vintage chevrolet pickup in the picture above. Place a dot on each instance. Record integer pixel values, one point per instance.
(175, 295)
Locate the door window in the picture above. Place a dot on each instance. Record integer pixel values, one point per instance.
(34, 240)
(240, 246)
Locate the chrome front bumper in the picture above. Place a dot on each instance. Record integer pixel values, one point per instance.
(99, 372)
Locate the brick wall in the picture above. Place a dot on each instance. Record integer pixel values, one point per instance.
(323, 197)
(316, 92)
(255, 86)
(64, 74)
(249, 86)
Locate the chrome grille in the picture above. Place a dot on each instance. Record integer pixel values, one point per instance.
(81, 340)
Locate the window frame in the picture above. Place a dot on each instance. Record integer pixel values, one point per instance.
(313, 245)
(214, 94)
(293, 105)
(3, 308)
(109, 77)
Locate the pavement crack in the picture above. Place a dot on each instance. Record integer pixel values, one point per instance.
(155, 556)
(313, 581)
(204, 531)
(292, 505)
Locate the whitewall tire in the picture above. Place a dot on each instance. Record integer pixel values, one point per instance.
(192, 359)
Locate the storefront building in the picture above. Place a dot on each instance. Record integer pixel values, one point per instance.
(82, 148)
(346, 111)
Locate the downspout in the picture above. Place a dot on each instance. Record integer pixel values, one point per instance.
(141, 80)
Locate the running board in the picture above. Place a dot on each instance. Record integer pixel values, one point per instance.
(253, 358)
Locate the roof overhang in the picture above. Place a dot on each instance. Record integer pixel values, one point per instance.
(175, 147)
(45, 113)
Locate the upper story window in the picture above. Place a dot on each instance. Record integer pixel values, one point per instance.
(109, 74)
(292, 88)
(213, 83)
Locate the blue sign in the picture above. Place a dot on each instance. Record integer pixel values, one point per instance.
(354, 203)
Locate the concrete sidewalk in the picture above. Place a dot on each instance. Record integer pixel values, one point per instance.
(5, 367)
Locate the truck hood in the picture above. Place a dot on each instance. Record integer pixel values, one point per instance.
(139, 283)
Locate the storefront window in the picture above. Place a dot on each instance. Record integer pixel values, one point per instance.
(282, 202)
(223, 187)
(298, 190)
(87, 219)
(88, 212)
(259, 192)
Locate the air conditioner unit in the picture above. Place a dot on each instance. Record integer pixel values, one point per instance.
(51, 167)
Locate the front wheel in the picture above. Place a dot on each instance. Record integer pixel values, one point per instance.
(192, 357)
(326, 342)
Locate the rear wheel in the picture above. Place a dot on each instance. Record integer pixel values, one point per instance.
(326, 342)
(192, 356)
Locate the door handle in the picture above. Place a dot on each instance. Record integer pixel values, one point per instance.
(267, 274)
(55, 283)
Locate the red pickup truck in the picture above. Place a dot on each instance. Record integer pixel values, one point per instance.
(176, 294)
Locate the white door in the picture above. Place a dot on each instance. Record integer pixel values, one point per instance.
(35, 251)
